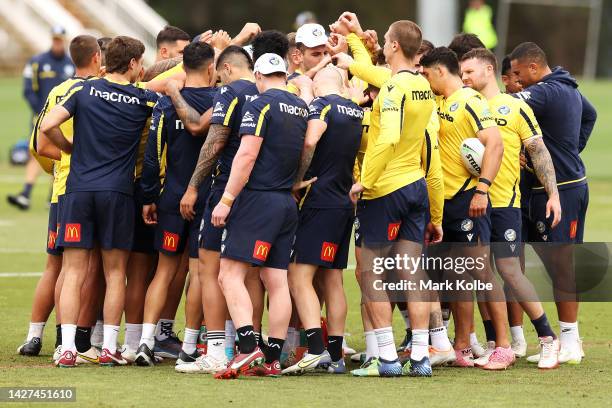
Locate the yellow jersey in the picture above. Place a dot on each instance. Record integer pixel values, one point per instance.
(517, 124)
(365, 129)
(432, 167)
(398, 120)
(462, 115)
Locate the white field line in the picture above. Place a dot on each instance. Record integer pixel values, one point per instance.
(20, 274)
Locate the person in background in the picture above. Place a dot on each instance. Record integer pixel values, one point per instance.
(478, 20)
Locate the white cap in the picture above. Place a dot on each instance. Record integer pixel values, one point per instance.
(270, 63)
(311, 35)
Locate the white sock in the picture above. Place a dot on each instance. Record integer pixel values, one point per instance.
(216, 344)
(420, 344)
(569, 335)
(68, 334)
(111, 333)
(190, 340)
(133, 331)
(288, 345)
(97, 334)
(439, 338)
(406, 318)
(148, 335)
(230, 334)
(386, 343)
(517, 334)
(35, 330)
(371, 345)
(164, 329)
(473, 338)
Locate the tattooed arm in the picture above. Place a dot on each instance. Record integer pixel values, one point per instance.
(544, 170)
(195, 123)
(161, 67)
(215, 142)
(315, 130)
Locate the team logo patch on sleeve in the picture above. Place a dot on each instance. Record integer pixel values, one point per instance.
(328, 251)
(261, 250)
(72, 233)
(573, 229)
(393, 231)
(170, 242)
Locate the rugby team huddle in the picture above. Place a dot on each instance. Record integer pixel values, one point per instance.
(245, 165)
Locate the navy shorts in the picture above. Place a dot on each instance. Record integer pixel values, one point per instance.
(574, 204)
(210, 236)
(323, 237)
(458, 226)
(103, 217)
(399, 215)
(144, 235)
(173, 233)
(260, 228)
(52, 245)
(506, 232)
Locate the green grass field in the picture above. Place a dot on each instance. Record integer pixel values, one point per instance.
(22, 243)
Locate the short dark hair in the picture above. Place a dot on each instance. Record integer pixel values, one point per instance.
(464, 42)
(197, 55)
(425, 47)
(234, 53)
(505, 65)
(170, 34)
(529, 51)
(441, 56)
(408, 35)
(82, 49)
(270, 41)
(120, 51)
(481, 54)
(103, 44)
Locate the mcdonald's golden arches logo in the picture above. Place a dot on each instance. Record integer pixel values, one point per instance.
(72, 233)
(261, 250)
(170, 242)
(328, 251)
(393, 231)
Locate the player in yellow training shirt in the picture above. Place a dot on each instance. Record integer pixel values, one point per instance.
(518, 127)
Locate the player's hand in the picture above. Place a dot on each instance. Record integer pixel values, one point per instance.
(352, 22)
(248, 32)
(188, 203)
(433, 234)
(206, 36)
(522, 160)
(339, 28)
(221, 40)
(342, 60)
(370, 39)
(149, 214)
(173, 85)
(478, 205)
(553, 205)
(303, 184)
(336, 44)
(219, 215)
(355, 192)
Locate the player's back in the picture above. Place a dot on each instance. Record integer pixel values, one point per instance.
(108, 121)
(335, 153)
(280, 118)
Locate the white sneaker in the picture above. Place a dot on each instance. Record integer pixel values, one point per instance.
(549, 353)
(348, 351)
(308, 363)
(57, 353)
(91, 356)
(356, 358)
(571, 354)
(128, 354)
(519, 348)
(441, 357)
(484, 358)
(477, 350)
(205, 364)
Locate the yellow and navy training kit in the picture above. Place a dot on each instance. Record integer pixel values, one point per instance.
(326, 213)
(566, 119)
(41, 74)
(227, 108)
(108, 120)
(264, 217)
(394, 202)
(517, 125)
(462, 115)
(172, 232)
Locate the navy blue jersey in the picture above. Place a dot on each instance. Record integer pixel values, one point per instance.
(279, 117)
(183, 150)
(335, 154)
(228, 104)
(566, 119)
(41, 74)
(108, 121)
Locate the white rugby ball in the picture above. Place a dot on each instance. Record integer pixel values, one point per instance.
(472, 151)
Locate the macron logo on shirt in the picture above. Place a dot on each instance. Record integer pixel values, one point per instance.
(114, 96)
(293, 110)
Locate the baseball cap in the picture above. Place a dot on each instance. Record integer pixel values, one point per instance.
(58, 31)
(311, 35)
(270, 63)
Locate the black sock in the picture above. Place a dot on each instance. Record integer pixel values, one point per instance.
(27, 190)
(246, 335)
(314, 338)
(489, 330)
(260, 342)
(82, 339)
(273, 350)
(542, 327)
(334, 347)
(58, 335)
(408, 335)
